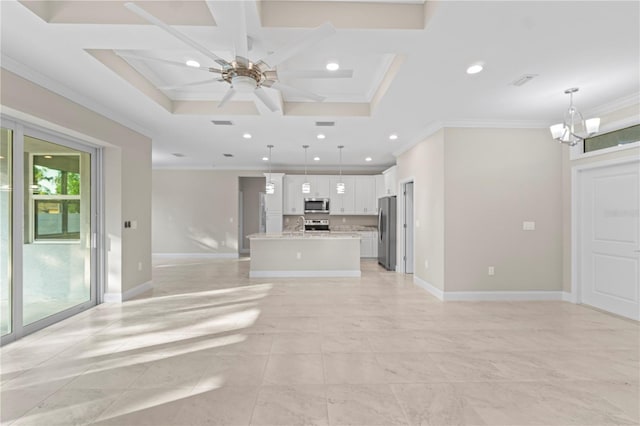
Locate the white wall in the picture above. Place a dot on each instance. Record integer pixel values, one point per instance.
(196, 211)
(424, 163)
(494, 180)
(127, 165)
(473, 188)
(251, 188)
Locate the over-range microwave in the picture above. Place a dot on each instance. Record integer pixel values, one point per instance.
(316, 205)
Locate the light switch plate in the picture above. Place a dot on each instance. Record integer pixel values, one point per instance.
(528, 226)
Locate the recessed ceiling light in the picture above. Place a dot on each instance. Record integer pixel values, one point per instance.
(316, 158)
(48, 157)
(247, 135)
(333, 66)
(265, 158)
(192, 63)
(367, 159)
(475, 69)
(321, 136)
(393, 136)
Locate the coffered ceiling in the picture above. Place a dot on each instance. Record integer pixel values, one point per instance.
(408, 60)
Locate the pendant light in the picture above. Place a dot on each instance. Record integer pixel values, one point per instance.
(340, 184)
(306, 186)
(574, 128)
(270, 188)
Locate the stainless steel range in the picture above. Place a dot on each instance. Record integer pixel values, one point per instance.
(316, 225)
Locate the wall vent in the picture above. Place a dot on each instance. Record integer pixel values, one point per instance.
(222, 122)
(228, 155)
(325, 123)
(520, 81)
(177, 154)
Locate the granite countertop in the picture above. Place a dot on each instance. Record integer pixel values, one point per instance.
(306, 235)
(353, 228)
(334, 228)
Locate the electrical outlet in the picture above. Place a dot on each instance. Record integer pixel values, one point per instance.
(426, 264)
(491, 271)
(133, 224)
(139, 266)
(528, 226)
(298, 255)
(344, 220)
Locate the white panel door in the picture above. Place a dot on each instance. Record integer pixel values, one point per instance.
(609, 238)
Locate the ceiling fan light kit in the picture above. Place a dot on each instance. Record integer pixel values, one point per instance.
(574, 129)
(244, 75)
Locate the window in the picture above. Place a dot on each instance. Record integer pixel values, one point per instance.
(611, 139)
(56, 197)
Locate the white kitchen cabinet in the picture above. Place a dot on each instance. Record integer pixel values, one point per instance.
(365, 195)
(343, 203)
(369, 244)
(273, 202)
(273, 223)
(390, 176)
(380, 189)
(320, 186)
(293, 196)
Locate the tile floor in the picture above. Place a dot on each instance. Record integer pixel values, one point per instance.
(211, 346)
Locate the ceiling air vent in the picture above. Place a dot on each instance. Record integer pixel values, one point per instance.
(228, 155)
(177, 154)
(325, 123)
(523, 80)
(222, 122)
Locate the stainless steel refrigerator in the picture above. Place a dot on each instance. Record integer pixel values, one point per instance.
(387, 232)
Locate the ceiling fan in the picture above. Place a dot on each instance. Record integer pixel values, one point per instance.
(242, 74)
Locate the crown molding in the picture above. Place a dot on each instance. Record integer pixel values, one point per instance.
(426, 132)
(54, 86)
(498, 124)
(615, 105)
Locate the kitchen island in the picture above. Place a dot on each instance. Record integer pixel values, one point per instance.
(309, 254)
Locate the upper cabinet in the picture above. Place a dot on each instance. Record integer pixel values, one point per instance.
(359, 197)
(320, 186)
(273, 202)
(389, 176)
(293, 196)
(365, 195)
(342, 203)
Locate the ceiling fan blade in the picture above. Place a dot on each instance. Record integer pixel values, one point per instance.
(195, 83)
(316, 74)
(264, 97)
(294, 91)
(177, 64)
(153, 20)
(309, 39)
(227, 96)
(236, 17)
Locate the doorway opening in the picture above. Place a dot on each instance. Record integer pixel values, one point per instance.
(408, 227)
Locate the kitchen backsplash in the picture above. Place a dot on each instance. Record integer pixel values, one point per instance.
(334, 220)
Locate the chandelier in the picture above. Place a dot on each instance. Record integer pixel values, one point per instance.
(574, 128)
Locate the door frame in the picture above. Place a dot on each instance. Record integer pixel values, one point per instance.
(577, 218)
(98, 274)
(400, 266)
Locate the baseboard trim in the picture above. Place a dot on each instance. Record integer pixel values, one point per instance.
(304, 274)
(429, 287)
(502, 295)
(568, 297)
(129, 294)
(196, 255)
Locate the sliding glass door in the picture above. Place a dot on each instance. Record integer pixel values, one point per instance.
(57, 229)
(47, 229)
(6, 308)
